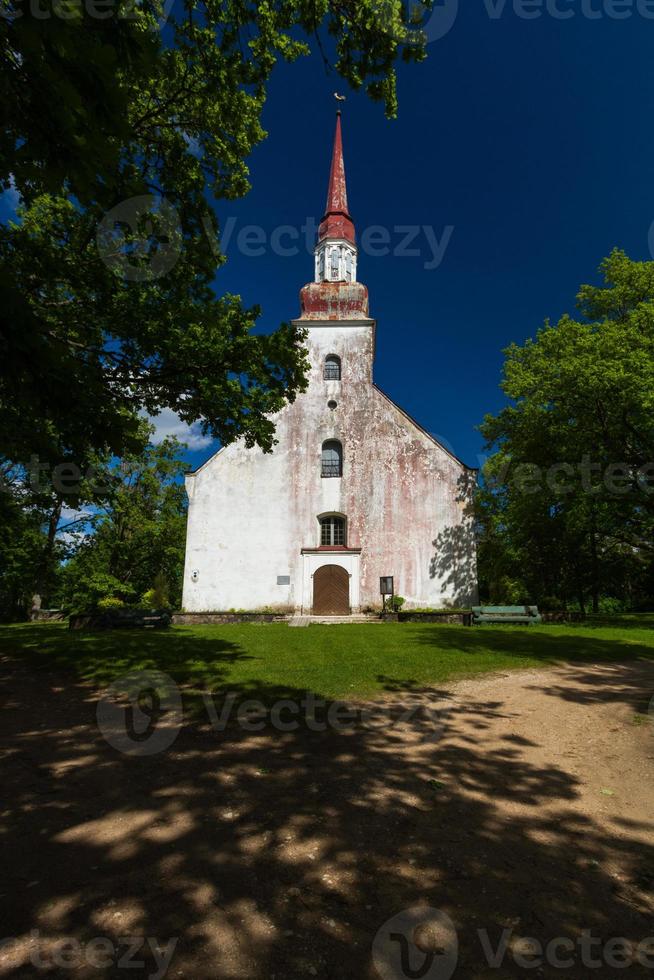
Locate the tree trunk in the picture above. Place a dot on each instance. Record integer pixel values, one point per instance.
(594, 562)
(580, 593)
(48, 550)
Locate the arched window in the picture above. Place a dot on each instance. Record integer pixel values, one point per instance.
(348, 267)
(335, 262)
(332, 370)
(332, 530)
(332, 458)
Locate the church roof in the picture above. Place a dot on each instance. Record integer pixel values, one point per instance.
(337, 222)
(425, 432)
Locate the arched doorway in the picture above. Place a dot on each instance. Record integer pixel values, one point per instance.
(331, 591)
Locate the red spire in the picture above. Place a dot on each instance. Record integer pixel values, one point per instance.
(337, 222)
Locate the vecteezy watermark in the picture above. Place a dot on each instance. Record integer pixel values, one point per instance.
(589, 476)
(318, 715)
(561, 478)
(99, 953)
(417, 942)
(140, 239)
(423, 942)
(419, 24)
(409, 241)
(66, 477)
(425, 23)
(69, 477)
(565, 953)
(650, 239)
(141, 712)
(94, 9)
(568, 9)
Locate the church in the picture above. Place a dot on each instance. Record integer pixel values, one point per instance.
(355, 489)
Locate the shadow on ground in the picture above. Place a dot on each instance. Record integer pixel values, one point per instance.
(279, 854)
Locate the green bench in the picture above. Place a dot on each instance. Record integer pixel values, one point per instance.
(506, 614)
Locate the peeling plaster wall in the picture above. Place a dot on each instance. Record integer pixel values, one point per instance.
(405, 498)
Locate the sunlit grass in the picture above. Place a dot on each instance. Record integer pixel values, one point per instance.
(356, 660)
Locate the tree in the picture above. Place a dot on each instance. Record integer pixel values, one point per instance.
(87, 352)
(137, 543)
(171, 88)
(569, 494)
(23, 542)
(106, 279)
(36, 532)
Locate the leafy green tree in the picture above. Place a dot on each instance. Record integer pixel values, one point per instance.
(22, 543)
(92, 351)
(568, 502)
(170, 89)
(36, 534)
(106, 281)
(137, 543)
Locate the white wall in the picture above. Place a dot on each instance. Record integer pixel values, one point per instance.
(405, 498)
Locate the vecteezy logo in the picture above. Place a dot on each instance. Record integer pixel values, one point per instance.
(416, 944)
(140, 713)
(437, 20)
(141, 238)
(423, 22)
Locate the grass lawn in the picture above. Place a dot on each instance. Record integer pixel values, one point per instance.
(352, 661)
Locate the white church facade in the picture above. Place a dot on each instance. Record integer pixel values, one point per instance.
(354, 489)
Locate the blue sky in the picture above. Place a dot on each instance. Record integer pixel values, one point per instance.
(531, 139)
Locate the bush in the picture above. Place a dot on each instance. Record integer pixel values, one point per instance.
(608, 605)
(158, 597)
(549, 603)
(397, 602)
(109, 603)
(455, 610)
(82, 593)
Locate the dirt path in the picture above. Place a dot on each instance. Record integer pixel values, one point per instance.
(519, 804)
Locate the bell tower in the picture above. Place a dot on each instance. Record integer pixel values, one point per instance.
(336, 252)
(335, 293)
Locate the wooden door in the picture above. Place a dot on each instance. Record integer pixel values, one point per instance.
(331, 591)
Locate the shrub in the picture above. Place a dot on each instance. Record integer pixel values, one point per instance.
(550, 603)
(148, 599)
(397, 602)
(608, 605)
(110, 602)
(158, 597)
(81, 593)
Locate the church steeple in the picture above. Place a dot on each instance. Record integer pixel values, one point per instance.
(335, 293)
(337, 222)
(335, 252)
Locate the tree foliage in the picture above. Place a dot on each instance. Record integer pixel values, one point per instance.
(173, 89)
(38, 529)
(567, 509)
(23, 542)
(135, 552)
(106, 280)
